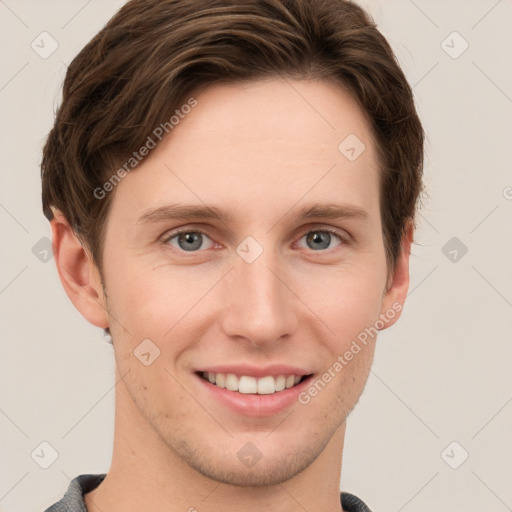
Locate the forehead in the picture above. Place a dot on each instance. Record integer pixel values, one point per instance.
(261, 146)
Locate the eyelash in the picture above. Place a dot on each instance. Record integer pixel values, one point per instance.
(343, 241)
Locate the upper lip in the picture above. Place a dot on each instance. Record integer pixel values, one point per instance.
(256, 371)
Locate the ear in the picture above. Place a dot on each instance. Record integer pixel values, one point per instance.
(78, 274)
(398, 283)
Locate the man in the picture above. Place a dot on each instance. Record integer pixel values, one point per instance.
(231, 188)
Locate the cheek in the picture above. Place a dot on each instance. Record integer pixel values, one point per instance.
(156, 302)
(347, 300)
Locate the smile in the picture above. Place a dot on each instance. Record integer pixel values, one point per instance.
(251, 385)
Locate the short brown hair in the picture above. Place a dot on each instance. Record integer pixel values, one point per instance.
(152, 54)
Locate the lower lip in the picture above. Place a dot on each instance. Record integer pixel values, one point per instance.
(252, 404)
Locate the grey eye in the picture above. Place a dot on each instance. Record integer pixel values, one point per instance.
(188, 240)
(318, 240)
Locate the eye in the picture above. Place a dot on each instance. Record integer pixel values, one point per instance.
(321, 239)
(189, 241)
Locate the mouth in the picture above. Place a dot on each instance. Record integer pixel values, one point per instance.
(249, 385)
(253, 391)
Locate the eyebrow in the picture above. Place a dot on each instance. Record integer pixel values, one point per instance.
(205, 212)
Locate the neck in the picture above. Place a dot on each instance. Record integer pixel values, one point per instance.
(146, 474)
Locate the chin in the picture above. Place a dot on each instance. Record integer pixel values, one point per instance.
(267, 471)
(272, 465)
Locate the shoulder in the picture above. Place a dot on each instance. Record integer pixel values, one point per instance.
(73, 499)
(352, 503)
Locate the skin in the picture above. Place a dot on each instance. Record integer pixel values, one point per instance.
(260, 152)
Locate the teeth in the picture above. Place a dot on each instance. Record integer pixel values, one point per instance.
(251, 385)
(247, 385)
(231, 382)
(266, 385)
(220, 380)
(280, 383)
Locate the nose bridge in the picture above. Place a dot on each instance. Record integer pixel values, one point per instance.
(259, 307)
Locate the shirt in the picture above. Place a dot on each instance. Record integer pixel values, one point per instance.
(73, 500)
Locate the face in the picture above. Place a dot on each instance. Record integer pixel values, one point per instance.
(248, 244)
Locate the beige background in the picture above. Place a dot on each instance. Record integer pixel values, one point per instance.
(442, 374)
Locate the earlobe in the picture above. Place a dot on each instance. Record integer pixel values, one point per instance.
(79, 276)
(398, 284)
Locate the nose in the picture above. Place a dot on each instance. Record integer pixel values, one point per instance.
(259, 304)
